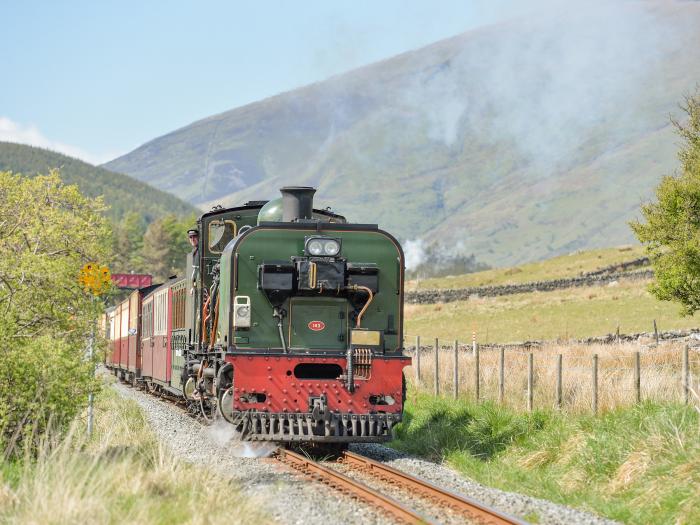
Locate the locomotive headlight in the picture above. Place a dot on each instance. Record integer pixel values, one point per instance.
(322, 247)
(331, 247)
(315, 247)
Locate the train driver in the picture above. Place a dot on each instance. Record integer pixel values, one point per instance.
(193, 236)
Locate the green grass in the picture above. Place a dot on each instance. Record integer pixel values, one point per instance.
(569, 313)
(638, 465)
(123, 474)
(571, 265)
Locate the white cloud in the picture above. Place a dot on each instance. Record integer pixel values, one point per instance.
(11, 131)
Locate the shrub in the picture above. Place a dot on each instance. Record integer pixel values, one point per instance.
(48, 231)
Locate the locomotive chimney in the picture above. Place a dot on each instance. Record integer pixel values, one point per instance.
(297, 203)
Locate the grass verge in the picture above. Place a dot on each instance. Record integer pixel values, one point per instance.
(639, 464)
(121, 475)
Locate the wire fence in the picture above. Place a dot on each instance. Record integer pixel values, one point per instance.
(573, 377)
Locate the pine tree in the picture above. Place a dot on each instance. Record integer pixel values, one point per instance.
(156, 250)
(128, 244)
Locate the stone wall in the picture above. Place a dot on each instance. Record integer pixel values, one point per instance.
(462, 294)
(691, 335)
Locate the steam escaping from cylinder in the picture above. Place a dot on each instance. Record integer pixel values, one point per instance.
(224, 435)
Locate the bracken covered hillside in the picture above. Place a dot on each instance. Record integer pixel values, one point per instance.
(526, 139)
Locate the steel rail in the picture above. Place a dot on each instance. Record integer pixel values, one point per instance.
(468, 507)
(351, 487)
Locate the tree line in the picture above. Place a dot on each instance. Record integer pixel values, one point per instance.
(159, 248)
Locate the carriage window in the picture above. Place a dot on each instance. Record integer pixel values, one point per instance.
(125, 319)
(133, 307)
(178, 309)
(160, 306)
(219, 233)
(147, 320)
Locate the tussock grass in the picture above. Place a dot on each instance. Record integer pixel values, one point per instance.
(121, 475)
(661, 374)
(639, 464)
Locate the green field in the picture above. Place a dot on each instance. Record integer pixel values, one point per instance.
(571, 265)
(563, 314)
(637, 465)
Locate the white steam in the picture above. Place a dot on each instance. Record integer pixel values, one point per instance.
(414, 253)
(549, 82)
(223, 434)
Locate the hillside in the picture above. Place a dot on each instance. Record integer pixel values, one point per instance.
(587, 311)
(518, 141)
(567, 266)
(122, 193)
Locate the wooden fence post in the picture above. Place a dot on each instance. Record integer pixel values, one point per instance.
(560, 358)
(656, 333)
(637, 377)
(437, 368)
(476, 374)
(530, 380)
(595, 383)
(686, 373)
(474, 342)
(501, 375)
(417, 360)
(456, 370)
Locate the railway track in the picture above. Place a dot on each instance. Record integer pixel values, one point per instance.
(466, 508)
(469, 510)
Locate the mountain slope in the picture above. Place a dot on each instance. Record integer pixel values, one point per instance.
(122, 193)
(518, 141)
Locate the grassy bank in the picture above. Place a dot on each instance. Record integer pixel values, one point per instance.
(639, 464)
(561, 314)
(571, 265)
(121, 475)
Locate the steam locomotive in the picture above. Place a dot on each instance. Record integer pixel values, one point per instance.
(288, 323)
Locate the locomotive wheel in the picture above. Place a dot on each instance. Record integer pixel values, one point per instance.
(224, 381)
(208, 409)
(189, 388)
(225, 405)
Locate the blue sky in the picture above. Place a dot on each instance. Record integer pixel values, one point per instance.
(97, 79)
